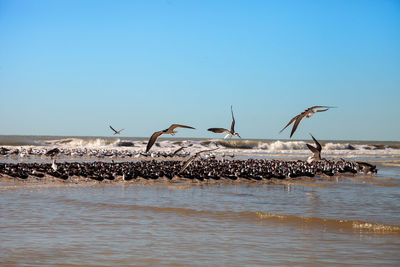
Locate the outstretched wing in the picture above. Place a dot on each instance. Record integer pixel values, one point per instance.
(233, 122)
(187, 163)
(113, 129)
(193, 157)
(321, 110)
(152, 140)
(218, 130)
(178, 150)
(173, 126)
(318, 147)
(313, 149)
(290, 122)
(298, 120)
(314, 107)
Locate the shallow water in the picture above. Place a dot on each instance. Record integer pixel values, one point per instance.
(350, 220)
(344, 221)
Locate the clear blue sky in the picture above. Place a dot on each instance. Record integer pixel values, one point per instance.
(74, 67)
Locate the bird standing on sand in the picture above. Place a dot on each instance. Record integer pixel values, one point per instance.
(54, 165)
(169, 130)
(223, 130)
(193, 157)
(305, 114)
(316, 151)
(115, 131)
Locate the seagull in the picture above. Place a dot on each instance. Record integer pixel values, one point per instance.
(169, 130)
(316, 150)
(305, 114)
(223, 130)
(115, 131)
(193, 157)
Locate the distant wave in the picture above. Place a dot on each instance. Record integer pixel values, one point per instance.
(299, 145)
(79, 142)
(236, 146)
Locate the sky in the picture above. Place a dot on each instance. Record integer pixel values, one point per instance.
(76, 67)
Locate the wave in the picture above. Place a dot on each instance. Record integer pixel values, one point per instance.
(79, 142)
(349, 225)
(237, 146)
(288, 146)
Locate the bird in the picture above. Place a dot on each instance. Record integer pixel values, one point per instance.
(305, 114)
(54, 165)
(223, 130)
(366, 167)
(53, 152)
(169, 130)
(179, 150)
(115, 131)
(184, 166)
(316, 151)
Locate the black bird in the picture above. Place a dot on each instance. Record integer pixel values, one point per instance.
(305, 114)
(316, 151)
(53, 152)
(223, 130)
(169, 130)
(115, 131)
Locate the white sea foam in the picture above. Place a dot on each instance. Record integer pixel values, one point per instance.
(248, 148)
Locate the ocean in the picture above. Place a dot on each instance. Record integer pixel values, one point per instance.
(339, 220)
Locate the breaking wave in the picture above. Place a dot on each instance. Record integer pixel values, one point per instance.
(237, 146)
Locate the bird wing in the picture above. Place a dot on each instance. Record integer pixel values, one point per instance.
(113, 129)
(193, 157)
(176, 151)
(207, 150)
(173, 126)
(318, 147)
(313, 149)
(218, 130)
(233, 122)
(298, 120)
(153, 139)
(290, 122)
(187, 163)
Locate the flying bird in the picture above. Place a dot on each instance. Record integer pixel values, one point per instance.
(223, 130)
(316, 151)
(179, 150)
(53, 152)
(305, 114)
(186, 164)
(115, 131)
(169, 130)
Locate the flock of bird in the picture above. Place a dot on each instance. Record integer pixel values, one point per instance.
(230, 133)
(209, 168)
